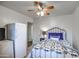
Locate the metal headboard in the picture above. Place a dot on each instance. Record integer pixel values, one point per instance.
(58, 30)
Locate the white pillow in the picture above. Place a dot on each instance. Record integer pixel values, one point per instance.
(56, 39)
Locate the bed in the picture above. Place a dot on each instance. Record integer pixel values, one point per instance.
(55, 45)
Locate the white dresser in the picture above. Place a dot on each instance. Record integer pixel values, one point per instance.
(6, 49)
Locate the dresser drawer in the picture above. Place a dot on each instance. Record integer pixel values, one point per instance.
(6, 48)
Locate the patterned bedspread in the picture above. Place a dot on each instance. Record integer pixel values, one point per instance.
(53, 49)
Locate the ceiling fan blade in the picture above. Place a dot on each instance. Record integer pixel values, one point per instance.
(46, 13)
(33, 11)
(36, 3)
(30, 10)
(50, 7)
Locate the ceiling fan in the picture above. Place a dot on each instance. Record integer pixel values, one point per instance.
(42, 8)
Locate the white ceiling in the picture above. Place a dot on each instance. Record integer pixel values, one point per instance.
(61, 7)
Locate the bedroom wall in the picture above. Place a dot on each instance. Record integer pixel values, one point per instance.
(76, 28)
(44, 23)
(11, 16)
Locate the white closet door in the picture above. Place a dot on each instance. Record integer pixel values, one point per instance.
(20, 40)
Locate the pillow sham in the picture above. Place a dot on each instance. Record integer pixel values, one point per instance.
(56, 39)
